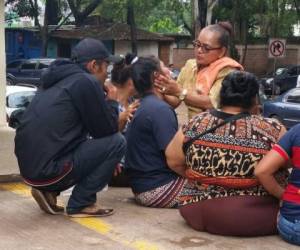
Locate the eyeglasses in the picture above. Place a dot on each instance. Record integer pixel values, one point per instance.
(204, 47)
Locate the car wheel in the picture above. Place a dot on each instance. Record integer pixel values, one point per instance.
(9, 81)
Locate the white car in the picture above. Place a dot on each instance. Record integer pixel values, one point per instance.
(17, 98)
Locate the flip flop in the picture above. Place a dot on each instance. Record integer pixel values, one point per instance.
(101, 212)
(44, 203)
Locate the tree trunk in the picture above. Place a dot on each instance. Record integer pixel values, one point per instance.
(44, 29)
(131, 22)
(210, 6)
(297, 6)
(202, 6)
(80, 16)
(245, 38)
(44, 37)
(53, 12)
(274, 26)
(195, 14)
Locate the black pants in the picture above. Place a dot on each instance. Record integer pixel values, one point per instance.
(94, 161)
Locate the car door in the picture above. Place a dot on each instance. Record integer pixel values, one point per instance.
(26, 72)
(289, 80)
(291, 108)
(43, 64)
(13, 70)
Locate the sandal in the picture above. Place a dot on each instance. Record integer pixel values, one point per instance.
(99, 212)
(47, 201)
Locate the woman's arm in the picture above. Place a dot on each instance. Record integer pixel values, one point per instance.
(174, 154)
(170, 87)
(265, 170)
(172, 100)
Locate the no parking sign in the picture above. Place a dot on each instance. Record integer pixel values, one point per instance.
(277, 47)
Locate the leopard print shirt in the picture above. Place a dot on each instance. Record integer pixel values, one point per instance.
(232, 150)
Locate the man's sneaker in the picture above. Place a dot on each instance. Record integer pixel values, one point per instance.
(91, 211)
(46, 201)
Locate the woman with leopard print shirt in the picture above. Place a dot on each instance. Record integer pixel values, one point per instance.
(222, 161)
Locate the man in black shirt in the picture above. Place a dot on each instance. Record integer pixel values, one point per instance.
(69, 133)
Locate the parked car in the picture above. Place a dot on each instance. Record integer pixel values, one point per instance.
(26, 70)
(284, 79)
(285, 108)
(268, 80)
(287, 79)
(17, 99)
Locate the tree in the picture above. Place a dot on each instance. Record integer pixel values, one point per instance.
(203, 10)
(82, 9)
(163, 16)
(131, 22)
(256, 18)
(52, 16)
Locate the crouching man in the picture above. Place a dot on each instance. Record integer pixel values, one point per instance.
(69, 134)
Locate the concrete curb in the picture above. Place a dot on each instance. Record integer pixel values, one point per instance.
(10, 178)
(8, 164)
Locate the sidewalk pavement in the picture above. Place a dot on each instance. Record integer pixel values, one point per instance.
(26, 227)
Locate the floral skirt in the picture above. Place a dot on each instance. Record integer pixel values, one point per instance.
(169, 195)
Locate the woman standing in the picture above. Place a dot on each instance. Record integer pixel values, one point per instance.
(199, 82)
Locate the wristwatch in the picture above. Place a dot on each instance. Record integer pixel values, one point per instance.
(182, 95)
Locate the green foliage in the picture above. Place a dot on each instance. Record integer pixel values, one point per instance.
(260, 18)
(21, 8)
(263, 18)
(164, 25)
(155, 15)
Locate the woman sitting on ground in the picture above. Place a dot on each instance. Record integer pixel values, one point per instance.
(121, 79)
(219, 149)
(286, 151)
(153, 126)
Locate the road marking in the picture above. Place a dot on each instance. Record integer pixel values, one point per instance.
(103, 228)
(95, 224)
(17, 188)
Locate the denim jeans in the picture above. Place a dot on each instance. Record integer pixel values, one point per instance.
(289, 231)
(94, 161)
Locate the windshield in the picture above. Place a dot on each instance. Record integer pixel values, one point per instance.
(20, 99)
(280, 71)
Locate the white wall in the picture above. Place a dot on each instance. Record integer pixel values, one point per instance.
(144, 48)
(2, 67)
(8, 162)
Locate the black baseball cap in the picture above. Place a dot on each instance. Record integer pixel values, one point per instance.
(92, 49)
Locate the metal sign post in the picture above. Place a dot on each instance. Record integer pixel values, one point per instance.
(273, 83)
(276, 50)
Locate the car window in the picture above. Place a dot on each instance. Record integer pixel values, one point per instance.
(14, 64)
(20, 99)
(293, 96)
(28, 65)
(293, 71)
(280, 71)
(44, 64)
